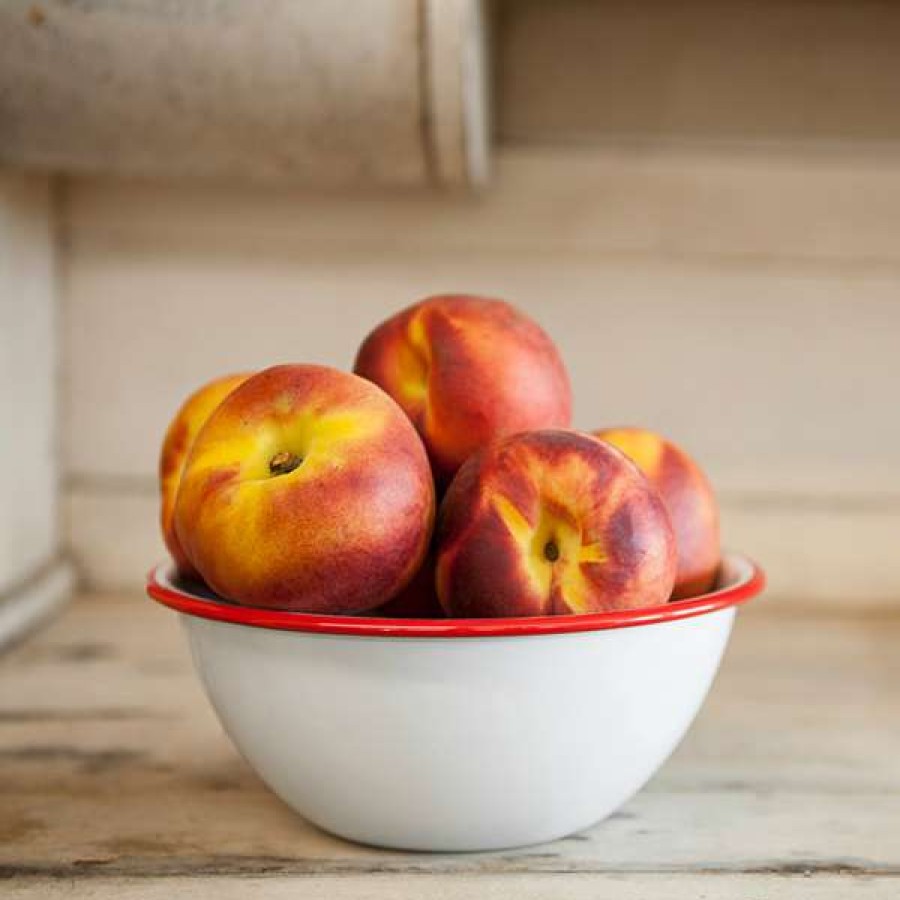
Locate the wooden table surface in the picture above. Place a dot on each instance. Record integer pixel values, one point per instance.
(116, 781)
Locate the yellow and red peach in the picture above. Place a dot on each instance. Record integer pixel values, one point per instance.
(307, 489)
(552, 522)
(177, 444)
(467, 370)
(689, 498)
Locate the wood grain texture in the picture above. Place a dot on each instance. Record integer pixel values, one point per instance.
(460, 886)
(114, 766)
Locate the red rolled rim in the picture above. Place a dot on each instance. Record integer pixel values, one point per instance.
(741, 580)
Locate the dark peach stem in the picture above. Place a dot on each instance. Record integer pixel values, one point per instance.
(284, 462)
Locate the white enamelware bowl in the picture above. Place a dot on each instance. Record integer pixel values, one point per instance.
(457, 734)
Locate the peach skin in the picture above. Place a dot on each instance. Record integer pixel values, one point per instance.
(418, 600)
(307, 489)
(552, 522)
(688, 496)
(177, 444)
(467, 370)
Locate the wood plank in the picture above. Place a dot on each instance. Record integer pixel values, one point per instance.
(778, 208)
(722, 360)
(532, 886)
(828, 554)
(113, 536)
(29, 459)
(792, 766)
(740, 70)
(820, 552)
(783, 835)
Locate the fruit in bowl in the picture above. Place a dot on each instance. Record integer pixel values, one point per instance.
(418, 600)
(467, 370)
(306, 496)
(177, 443)
(689, 499)
(307, 488)
(552, 522)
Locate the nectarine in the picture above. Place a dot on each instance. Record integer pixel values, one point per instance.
(177, 444)
(467, 370)
(551, 522)
(689, 498)
(418, 600)
(307, 489)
